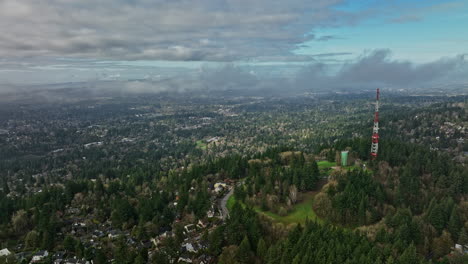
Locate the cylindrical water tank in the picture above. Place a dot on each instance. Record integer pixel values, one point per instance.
(344, 158)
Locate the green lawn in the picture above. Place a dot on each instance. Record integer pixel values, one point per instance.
(300, 213)
(325, 164)
(201, 144)
(230, 202)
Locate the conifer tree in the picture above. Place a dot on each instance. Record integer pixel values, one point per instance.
(261, 249)
(244, 253)
(454, 224)
(409, 256)
(463, 238)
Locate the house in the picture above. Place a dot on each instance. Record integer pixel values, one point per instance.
(75, 261)
(204, 259)
(5, 252)
(461, 249)
(92, 144)
(58, 257)
(191, 247)
(39, 256)
(114, 234)
(201, 224)
(184, 259)
(79, 228)
(166, 234)
(156, 241)
(97, 234)
(219, 187)
(59, 254)
(213, 139)
(203, 245)
(210, 213)
(79, 224)
(189, 228)
(131, 241)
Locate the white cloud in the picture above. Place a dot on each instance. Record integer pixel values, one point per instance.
(158, 29)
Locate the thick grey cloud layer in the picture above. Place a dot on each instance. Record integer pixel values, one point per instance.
(370, 70)
(216, 30)
(378, 69)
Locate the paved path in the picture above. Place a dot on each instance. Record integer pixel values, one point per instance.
(223, 203)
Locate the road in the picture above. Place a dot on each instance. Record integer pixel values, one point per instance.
(223, 204)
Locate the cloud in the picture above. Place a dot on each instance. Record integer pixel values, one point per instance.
(372, 69)
(326, 38)
(159, 29)
(227, 77)
(378, 69)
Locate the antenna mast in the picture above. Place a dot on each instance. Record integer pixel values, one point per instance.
(375, 131)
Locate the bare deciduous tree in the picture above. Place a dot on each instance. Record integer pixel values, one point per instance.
(293, 193)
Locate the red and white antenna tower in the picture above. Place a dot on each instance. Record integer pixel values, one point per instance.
(375, 131)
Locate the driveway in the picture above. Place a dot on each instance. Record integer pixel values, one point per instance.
(223, 203)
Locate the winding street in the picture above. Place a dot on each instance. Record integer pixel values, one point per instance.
(223, 203)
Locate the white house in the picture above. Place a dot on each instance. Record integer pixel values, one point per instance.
(219, 187)
(5, 252)
(462, 249)
(201, 224)
(77, 261)
(184, 259)
(39, 256)
(114, 234)
(192, 248)
(211, 212)
(189, 228)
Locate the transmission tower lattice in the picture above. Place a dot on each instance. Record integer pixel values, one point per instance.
(375, 132)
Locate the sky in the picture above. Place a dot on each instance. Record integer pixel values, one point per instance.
(204, 43)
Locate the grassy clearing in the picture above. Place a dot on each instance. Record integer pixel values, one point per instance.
(230, 202)
(201, 144)
(325, 164)
(301, 212)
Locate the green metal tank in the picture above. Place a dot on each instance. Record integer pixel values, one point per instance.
(344, 158)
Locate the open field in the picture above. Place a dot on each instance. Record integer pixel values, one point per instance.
(325, 164)
(230, 202)
(301, 212)
(201, 144)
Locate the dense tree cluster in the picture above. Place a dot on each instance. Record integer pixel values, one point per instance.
(276, 180)
(354, 199)
(421, 193)
(314, 243)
